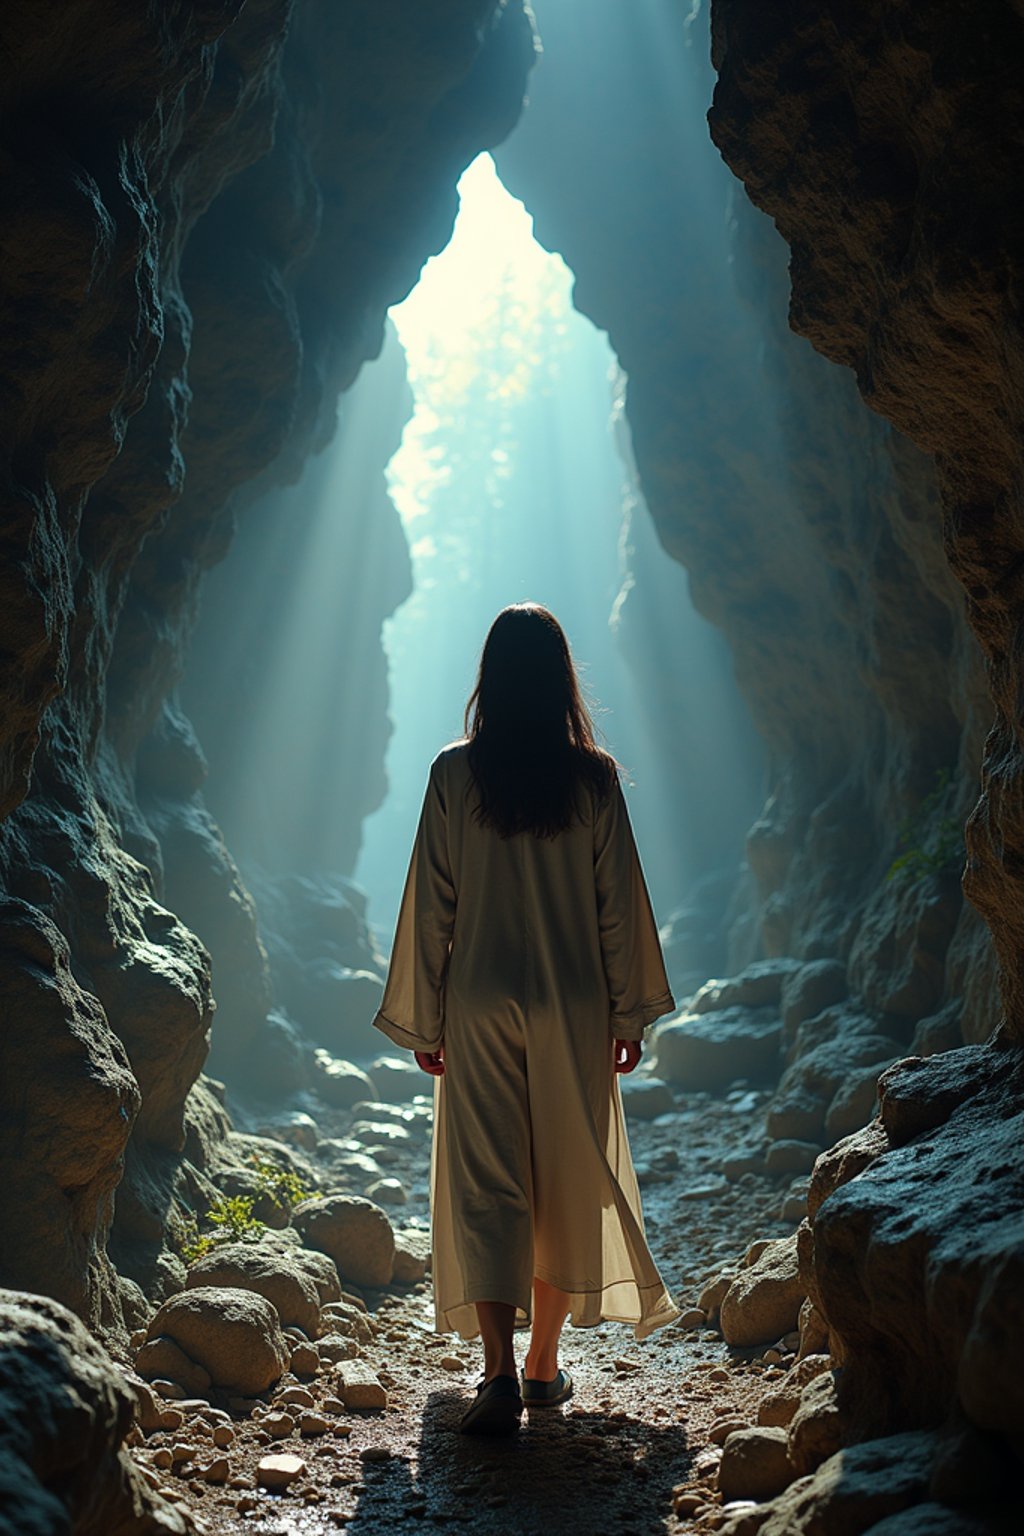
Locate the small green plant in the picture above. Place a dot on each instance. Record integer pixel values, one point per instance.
(929, 846)
(232, 1220)
(280, 1185)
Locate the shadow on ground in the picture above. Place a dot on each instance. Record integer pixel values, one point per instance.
(566, 1471)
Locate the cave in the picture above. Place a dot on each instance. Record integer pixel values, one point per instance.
(328, 331)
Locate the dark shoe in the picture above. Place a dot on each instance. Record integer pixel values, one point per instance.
(496, 1410)
(545, 1394)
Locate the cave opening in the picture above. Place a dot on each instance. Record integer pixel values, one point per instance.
(514, 480)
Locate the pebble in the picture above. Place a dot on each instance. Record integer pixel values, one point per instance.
(305, 1360)
(168, 1389)
(723, 1428)
(313, 1424)
(694, 1317)
(297, 1395)
(687, 1503)
(162, 1458)
(278, 1425)
(451, 1363)
(215, 1471)
(358, 1387)
(223, 1434)
(278, 1472)
(623, 1363)
(375, 1453)
(182, 1452)
(333, 1405)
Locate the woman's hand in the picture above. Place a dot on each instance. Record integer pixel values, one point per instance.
(627, 1054)
(431, 1061)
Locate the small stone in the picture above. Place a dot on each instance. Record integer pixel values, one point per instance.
(168, 1389)
(451, 1363)
(163, 1458)
(215, 1471)
(721, 1430)
(694, 1317)
(687, 1503)
(387, 1191)
(245, 1505)
(278, 1472)
(623, 1363)
(297, 1395)
(223, 1434)
(771, 1357)
(335, 1348)
(313, 1424)
(277, 1425)
(305, 1360)
(333, 1405)
(374, 1453)
(359, 1387)
(182, 1452)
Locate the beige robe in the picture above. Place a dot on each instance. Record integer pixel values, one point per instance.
(527, 957)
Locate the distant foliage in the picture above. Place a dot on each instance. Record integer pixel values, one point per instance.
(230, 1218)
(930, 843)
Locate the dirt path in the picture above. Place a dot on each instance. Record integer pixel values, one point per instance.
(618, 1457)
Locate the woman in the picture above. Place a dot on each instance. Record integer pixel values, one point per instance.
(525, 969)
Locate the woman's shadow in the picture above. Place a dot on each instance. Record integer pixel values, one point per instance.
(575, 1471)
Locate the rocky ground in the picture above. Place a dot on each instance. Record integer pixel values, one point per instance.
(639, 1446)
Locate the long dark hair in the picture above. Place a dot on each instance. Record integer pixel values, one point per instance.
(531, 738)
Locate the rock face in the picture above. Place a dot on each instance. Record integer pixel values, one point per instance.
(61, 1464)
(903, 266)
(847, 627)
(191, 276)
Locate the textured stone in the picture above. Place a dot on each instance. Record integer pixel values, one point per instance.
(359, 1387)
(706, 1052)
(644, 1098)
(279, 1471)
(755, 1464)
(161, 1359)
(235, 1335)
(273, 1275)
(354, 1232)
(66, 1413)
(781, 1401)
(763, 1301)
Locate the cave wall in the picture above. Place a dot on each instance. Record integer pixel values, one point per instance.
(810, 528)
(881, 141)
(206, 212)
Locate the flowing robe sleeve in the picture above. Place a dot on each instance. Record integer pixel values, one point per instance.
(412, 1008)
(638, 988)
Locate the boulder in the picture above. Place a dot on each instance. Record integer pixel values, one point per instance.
(397, 1078)
(339, 1083)
(853, 1489)
(780, 1403)
(268, 1272)
(645, 1097)
(354, 1232)
(65, 1410)
(758, 986)
(706, 1052)
(815, 1430)
(161, 1359)
(412, 1255)
(788, 1156)
(852, 1105)
(763, 1301)
(755, 1464)
(234, 1334)
(805, 992)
